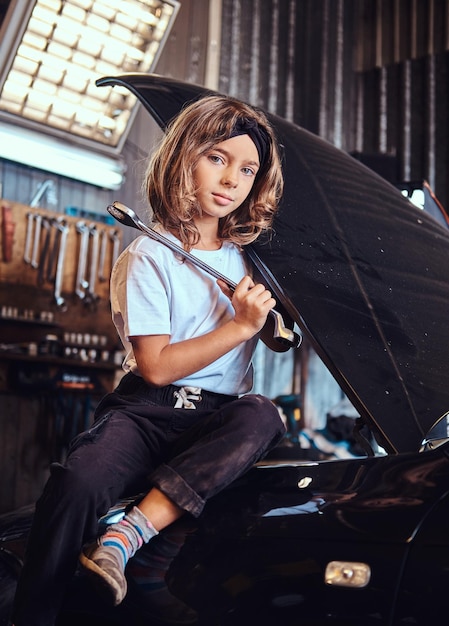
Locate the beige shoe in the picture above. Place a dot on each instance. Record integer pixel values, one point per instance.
(105, 567)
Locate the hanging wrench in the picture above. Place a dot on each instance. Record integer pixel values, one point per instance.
(28, 238)
(116, 246)
(81, 282)
(46, 225)
(94, 235)
(101, 263)
(36, 242)
(63, 228)
(52, 259)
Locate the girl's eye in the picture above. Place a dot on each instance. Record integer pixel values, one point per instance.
(215, 158)
(248, 171)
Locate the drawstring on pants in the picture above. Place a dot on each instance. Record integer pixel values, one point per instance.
(186, 396)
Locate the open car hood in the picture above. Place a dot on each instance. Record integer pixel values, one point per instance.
(362, 272)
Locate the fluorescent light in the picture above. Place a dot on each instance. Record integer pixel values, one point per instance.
(53, 155)
(56, 49)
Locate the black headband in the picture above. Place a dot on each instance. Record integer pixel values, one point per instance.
(259, 137)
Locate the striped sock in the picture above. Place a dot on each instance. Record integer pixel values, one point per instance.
(128, 535)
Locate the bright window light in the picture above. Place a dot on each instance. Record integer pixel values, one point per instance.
(57, 49)
(51, 154)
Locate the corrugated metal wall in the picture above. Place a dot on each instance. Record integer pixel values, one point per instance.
(293, 57)
(371, 76)
(402, 64)
(20, 183)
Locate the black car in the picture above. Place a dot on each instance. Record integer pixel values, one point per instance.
(298, 541)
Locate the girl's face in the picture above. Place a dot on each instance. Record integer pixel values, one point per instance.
(224, 176)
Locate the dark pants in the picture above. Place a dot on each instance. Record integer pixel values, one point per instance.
(138, 440)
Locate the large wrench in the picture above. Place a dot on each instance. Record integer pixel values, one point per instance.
(81, 282)
(125, 215)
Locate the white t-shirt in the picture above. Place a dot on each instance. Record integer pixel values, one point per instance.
(155, 292)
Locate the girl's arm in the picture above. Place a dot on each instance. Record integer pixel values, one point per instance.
(161, 362)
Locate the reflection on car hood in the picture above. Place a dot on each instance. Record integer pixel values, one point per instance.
(361, 270)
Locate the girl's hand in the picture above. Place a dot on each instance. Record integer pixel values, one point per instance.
(251, 303)
(161, 362)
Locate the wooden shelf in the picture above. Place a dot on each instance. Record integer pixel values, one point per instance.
(28, 322)
(59, 361)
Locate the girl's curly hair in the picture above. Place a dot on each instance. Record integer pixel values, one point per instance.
(169, 182)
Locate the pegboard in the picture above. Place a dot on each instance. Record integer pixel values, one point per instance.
(36, 243)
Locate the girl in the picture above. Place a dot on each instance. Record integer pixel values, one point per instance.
(181, 425)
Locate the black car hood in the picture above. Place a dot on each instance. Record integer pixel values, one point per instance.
(361, 271)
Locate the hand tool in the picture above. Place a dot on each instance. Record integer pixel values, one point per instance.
(46, 225)
(102, 259)
(64, 230)
(81, 282)
(127, 216)
(52, 257)
(90, 296)
(28, 237)
(115, 246)
(36, 241)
